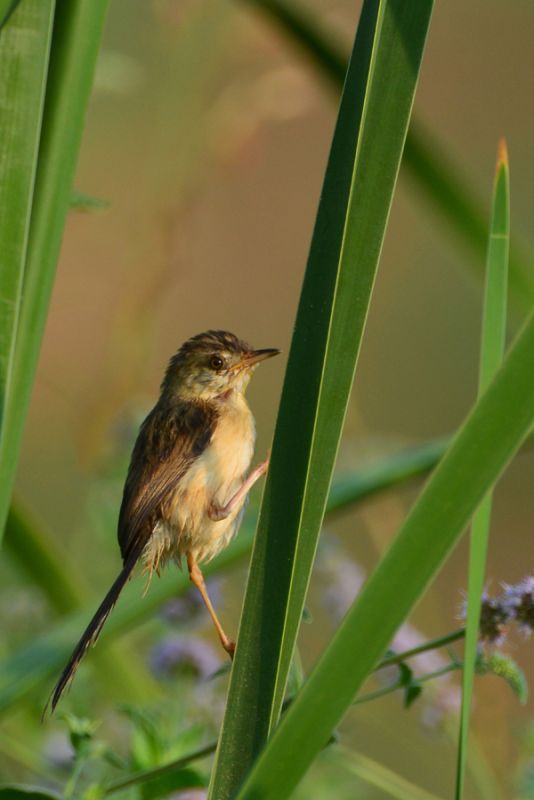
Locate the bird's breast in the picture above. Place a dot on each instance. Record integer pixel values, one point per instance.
(213, 478)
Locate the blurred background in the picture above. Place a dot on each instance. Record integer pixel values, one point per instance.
(207, 135)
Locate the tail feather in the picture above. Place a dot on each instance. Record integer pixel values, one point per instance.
(91, 633)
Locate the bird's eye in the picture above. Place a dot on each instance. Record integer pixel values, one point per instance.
(216, 362)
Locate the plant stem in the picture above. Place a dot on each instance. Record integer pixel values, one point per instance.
(392, 687)
(433, 644)
(158, 772)
(81, 760)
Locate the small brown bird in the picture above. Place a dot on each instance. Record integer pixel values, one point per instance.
(186, 487)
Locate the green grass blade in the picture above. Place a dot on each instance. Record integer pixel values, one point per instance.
(479, 452)
(357, 192)
(38, 662)
(36, 553)
(76, 38)
(384, 473)
(7, 7)
(441, 181)
(79, 201)
(24, 48)
(426, 161)
(375, 774)
(492, 349)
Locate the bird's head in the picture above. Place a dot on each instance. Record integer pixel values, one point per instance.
(211, 365)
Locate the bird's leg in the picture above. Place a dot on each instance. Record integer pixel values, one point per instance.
(217, 513)
(197, 579)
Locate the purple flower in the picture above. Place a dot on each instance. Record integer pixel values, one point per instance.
(343, 576)
(518, 599)
(58, 751)
(174, 656)
(493, 617)
(345, 585)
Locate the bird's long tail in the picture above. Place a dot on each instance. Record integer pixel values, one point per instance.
(91, 633)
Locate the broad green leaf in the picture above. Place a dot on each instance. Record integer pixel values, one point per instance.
(177, 781)
(491, 353)
(479, 452)
(32, 665)
(7, 7)
(431, 167)
(351, 220)
(24, 47)
(19, 792)
(34, 550)
(76, 38)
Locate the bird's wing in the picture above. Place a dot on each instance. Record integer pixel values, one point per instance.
(168, 442)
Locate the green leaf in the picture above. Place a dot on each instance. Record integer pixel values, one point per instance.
(410, 684)
(163, 771)
(34, 550)
(163, 786)
(76, 38)
(385, 472)
(79, 201)
(19, 792)
(7, 7)
(351, 220)
(479, 452)
(433, 169)
(375, 774)
(24, 48)
(81, 730)
(492, 349)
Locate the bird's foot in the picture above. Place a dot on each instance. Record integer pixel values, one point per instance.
(229, 646)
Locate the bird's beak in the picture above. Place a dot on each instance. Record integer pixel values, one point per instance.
(256, 356)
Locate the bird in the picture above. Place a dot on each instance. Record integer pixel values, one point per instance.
(187, 481)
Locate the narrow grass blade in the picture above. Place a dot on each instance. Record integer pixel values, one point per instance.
(160, 771)
(357, 193)
(36, 553)
(384, 473)
(492, 349)
(24, 47)
(76, 38)
(79, 201)
(441, 181)
(433, 170)
(479, 452)
(34, 664)
(7, 7)
(375, 774)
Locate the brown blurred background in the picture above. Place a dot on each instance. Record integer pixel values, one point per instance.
(208, 135)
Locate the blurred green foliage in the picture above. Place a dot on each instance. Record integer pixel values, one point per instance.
(169, 676)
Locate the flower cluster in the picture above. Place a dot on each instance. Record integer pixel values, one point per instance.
(514, 604)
